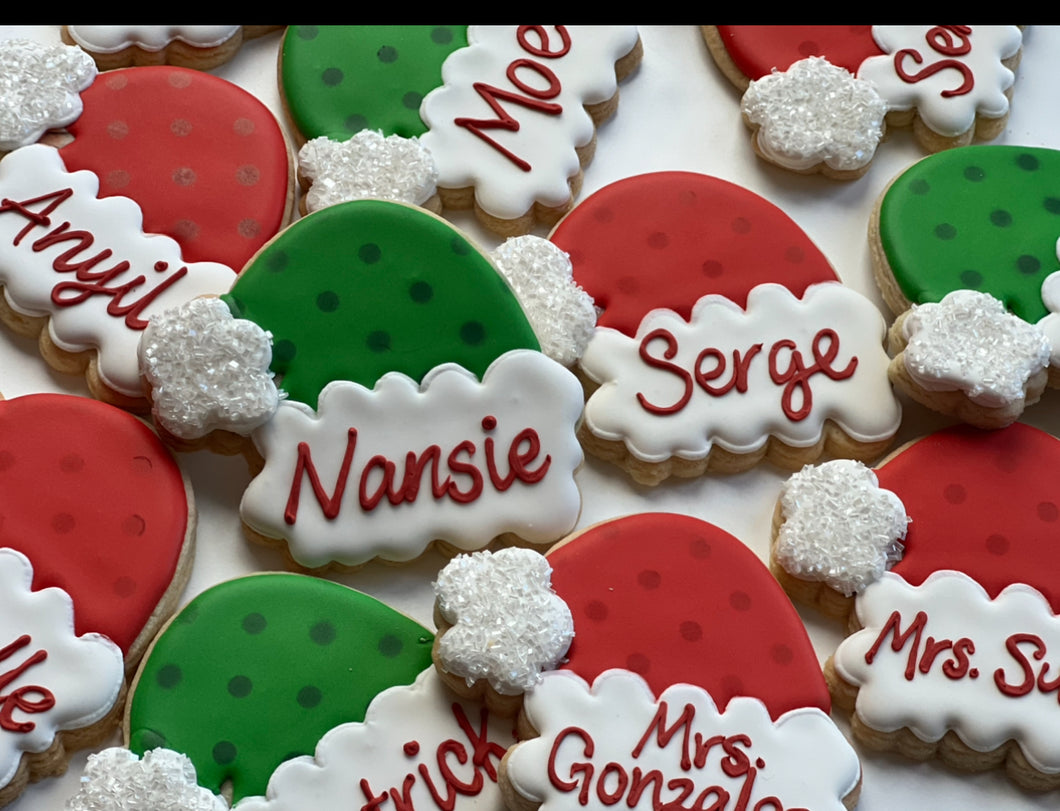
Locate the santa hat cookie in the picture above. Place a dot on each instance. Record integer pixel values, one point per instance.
(724, 336)
(509, 113)
(419, 405)
(95, 547)
(201, 47)
(964, 250)
(680, 627)
(817, 96)
(951, 656)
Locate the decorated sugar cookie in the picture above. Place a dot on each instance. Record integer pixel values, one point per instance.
(724, 336)
(95, 547)
(690, 681)
(192, 46)
(817, 95)
(953, 655)
(509, 113)
(964, 248)
(253, 672)
(419, 407)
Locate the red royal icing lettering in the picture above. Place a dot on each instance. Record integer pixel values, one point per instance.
(17, 699)
(1030, 680)
(955, 667)
(942, 40)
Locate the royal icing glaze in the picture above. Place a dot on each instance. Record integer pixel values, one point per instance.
(944, 656)
(39, 89)
(510, 116)
(110, 39)
(418, 747)
(733, 378)
(948, 73)
(983, 218)
(55, 233)
(52, 680)
(758, 49)
(106, 522)
(204, 159)
(337, 80)
(615, 742)
(255, 671)
(678, 600)
(368, 287)
(479, 460)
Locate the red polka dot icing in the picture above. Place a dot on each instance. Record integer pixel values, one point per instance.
(663, 240)
(204, 159)
(679, 600)
(103, 520)
(757, 49)
(952, 484)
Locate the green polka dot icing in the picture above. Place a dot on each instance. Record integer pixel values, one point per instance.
(339, 79)
(267, 665)
(979, 217)
(364, 288)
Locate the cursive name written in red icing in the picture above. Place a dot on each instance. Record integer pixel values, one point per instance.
(19, 698)
(948, 40)
(531, 97)
(922, 653)
(716, 375)
(475, 758)
(74, 258)
(380, 478)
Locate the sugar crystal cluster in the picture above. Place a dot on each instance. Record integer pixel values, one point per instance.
(117, 780)
(508, 624)
(368, 165)
(969, 341)
(208, 370)
(816, 113)
(839, 526)
(39, 89)
(562, 314)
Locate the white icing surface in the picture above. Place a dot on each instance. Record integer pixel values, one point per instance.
(84, 674)
(953, 115)
(522, 389)
(207, 370)
(1050, 324)
(368, 165)
(352, 755)
(507, 623)
(931, 704)
(115, 223)
(813, 113)
(163, 781)
(547, 142)
(802, 759)
(863, 405)
(114, 38)
(40, 88)
(839, 526)
(562, 314)
(969, 342)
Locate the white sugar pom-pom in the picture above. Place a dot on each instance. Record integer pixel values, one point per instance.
(970, 342)
(508, 624)
(117, 780)
(562, 314)
(39, 89)
(208, 370)
(839, 526)
(815, 112)
(368, 165)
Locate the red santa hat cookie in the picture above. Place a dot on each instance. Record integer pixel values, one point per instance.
(95, 547)
(724, 336)
(953, 655)
(817, 96)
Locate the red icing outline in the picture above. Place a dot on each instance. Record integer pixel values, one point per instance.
(658, 240)
(969, 492)
(694, 603)
(91, 496)
(148, 103)
(756, 49)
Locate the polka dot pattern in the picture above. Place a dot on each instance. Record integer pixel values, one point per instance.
(662, 594)
(756, 49)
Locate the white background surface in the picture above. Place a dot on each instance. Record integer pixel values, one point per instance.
(676, 112)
